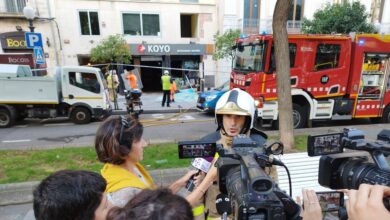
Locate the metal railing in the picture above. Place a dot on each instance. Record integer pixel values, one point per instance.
(12, 6)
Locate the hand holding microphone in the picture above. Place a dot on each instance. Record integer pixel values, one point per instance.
(202, 166)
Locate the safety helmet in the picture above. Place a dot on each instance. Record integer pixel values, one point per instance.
(166, 72)
(236, 102)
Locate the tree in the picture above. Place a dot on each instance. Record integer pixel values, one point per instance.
(224, 44)
(339, 18)
(279, 27)
(111, 49)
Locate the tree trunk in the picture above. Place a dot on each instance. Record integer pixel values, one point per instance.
(279, 26)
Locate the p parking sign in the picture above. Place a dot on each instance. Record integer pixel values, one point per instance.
(33, 40)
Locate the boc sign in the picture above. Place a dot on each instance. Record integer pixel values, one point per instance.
(33, 40)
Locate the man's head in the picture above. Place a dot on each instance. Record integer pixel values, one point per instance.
(235, 112)
(160, 204)
(166, 72)
(71, 195)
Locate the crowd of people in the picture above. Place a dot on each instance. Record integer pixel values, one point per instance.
(125, 190)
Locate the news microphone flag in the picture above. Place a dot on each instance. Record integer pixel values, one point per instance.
(201, 164)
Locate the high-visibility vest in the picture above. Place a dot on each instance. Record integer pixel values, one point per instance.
(166, 82)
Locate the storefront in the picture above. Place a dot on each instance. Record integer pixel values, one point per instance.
(184, 59)
(15, 51)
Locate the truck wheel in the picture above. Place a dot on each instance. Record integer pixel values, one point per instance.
(6, 119)
(386, 115)
(299, 116)
(80, 116)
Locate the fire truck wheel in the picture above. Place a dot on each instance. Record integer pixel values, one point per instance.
(6, 119)
(299, 116)
(386, 115)
(80, 116)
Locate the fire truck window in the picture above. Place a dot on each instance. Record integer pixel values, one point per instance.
(87, 81)
(249, 58)
(292, 52)
(327, 56)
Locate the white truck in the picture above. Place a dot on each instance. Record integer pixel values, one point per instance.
(77, 92)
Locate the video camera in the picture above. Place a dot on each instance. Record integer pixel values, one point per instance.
(242, 176)
(347, 170)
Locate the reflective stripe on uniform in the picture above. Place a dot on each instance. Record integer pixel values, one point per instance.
(199, 210)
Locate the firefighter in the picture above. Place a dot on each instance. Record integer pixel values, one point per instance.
(235, 114)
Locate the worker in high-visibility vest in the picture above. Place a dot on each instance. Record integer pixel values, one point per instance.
(166, 87)
(112, 84)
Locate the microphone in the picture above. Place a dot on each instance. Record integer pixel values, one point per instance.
(201, 165)
(269, 159)
(223, 206)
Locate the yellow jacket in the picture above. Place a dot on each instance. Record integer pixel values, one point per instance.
(118, 178)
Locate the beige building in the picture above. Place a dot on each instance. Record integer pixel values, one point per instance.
(161, 33)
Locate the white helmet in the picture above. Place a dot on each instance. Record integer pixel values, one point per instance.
(166, 72)
(236, 102)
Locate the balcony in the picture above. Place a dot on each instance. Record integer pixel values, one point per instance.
(256, 26)
(12, 8)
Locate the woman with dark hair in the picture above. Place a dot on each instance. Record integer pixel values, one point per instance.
(119, 144)
(160, 204)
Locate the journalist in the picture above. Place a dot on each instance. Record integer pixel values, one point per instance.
(235, 114)
(159, 204)
(119, 145)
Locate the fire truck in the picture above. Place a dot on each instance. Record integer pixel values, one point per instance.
(333, 77)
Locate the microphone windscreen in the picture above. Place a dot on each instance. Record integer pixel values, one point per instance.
(201, 164)
(222, 204)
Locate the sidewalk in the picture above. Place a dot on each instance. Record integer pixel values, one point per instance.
(185, 100)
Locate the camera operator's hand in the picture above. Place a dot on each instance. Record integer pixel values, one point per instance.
(311, 206)
(199, 178)
(367, 202)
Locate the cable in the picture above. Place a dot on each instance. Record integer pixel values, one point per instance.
(289, 179)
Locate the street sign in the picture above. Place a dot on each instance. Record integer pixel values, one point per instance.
(33, 40)
(39, 56)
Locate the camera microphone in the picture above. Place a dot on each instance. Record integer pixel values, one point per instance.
(269, 159)
(201, 165)
(223, 206)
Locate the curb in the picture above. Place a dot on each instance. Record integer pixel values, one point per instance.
(151, 111)
(21, 193)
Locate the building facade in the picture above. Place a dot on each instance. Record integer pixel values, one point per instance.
(164, 34)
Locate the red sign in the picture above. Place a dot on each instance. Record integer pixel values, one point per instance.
(21, 59)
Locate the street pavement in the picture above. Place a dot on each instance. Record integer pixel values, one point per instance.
(175, 127)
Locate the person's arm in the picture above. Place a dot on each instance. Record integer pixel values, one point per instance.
(200, 190)
(367, 202)
(178, 184)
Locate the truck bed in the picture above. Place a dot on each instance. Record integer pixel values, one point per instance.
(28, 90)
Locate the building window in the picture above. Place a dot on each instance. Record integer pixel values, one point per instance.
(327, 56)
(89, 23)
(188, 25)
(141, 24)
(296, 11)
(15, 6)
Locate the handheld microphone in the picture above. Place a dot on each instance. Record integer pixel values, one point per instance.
(201, 165)
(223, 205)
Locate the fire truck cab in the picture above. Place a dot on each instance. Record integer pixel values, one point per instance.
(333, 77)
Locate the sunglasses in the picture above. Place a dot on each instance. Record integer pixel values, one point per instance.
(125, 124)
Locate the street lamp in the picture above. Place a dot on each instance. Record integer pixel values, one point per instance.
(29, 13)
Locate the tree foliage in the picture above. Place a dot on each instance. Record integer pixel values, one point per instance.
(339, 18)
(111, 49)
(224, 44)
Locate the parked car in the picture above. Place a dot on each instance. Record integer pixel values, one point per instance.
(208, 99)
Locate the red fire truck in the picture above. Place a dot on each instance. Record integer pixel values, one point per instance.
(333, 77)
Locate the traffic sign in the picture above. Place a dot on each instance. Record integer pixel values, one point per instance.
(33, 39)
(39, 56)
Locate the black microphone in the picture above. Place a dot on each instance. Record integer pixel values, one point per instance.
(269, 159)
(223, 205)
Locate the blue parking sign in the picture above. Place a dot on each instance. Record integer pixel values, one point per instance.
(33, 40)
(39, 56)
